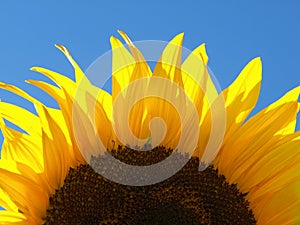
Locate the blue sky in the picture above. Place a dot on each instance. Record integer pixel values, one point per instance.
(234, 33)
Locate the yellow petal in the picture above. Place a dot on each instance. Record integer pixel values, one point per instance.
(88, 140)
(291, 96)
(52, 90)
(201, 90)
(253, 140)
(123, 65)
(38, 105)
(263, 129)
(62, 81)
(9, 165)
(197, 81)
(283, 207)
(56, 154)
(20, 117)
(27, 172)
(29, 197)
(70, 124)
(212, 131)
(12, 218)
(63, 116)
(266, 164)
(280, 116)
(23, 148)
(18, 91)
(141, 68)
(134, 50)
(169, 64)
(69, 90)
(241, 96)
(265, 189)
(59, 118)
(202, 51)
(6, 202)
(160, 102)
(79, 75)
(101, 114)
(65, 98)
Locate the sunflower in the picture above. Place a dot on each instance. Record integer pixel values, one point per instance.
(91, 160)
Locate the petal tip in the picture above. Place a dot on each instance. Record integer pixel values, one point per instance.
(34, 68)
(180, 35)
(121, 32)
(115, 42)
(257, 60)
(60, 47)
(177, 40)
(64, 50)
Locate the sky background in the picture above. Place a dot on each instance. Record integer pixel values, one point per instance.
(234, 33)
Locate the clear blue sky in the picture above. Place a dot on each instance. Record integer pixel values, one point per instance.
(234, 32)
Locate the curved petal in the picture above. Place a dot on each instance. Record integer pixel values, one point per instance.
(57, 159)
(79, 75)
(20, 117)
(141, 68)
(241, 96)
(123, 65)
(169, 64)
(201, 90)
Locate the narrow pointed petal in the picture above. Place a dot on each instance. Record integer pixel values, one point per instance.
(20, 117)
(38, 105)
(242, 94)
(56, 153)
(60, 80)
(123, 65)
(202, 91)
(141, 69)
(19, 92)
(169, 64)
(202, 51)
(101, 111)
(55, 92)
(197, 81)
(65, 97)
(291, 96)
(63, 115)
(79, 75)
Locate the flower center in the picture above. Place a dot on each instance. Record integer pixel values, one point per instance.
(188, 197)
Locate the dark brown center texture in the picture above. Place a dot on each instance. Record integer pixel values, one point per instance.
(189, 197)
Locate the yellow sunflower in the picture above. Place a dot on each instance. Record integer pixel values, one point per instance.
(91, 161)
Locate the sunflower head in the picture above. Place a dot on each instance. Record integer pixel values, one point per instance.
(163, 147)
